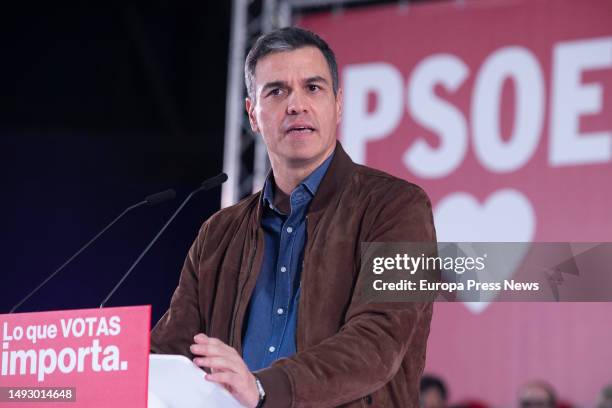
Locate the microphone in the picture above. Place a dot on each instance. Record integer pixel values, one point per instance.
(160, 197)
(206, 185)
(150, 200)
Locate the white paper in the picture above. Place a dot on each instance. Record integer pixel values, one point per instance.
(175, 382)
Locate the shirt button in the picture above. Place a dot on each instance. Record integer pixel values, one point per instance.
(283, 269)
(289, 230)
(280, 310)
(272, 349)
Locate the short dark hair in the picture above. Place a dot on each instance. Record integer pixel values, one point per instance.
(546, 387)
(282, 40)
(430, 381)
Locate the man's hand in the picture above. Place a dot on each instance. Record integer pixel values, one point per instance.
(227, 368)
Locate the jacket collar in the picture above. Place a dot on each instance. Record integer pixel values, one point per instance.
(336, 176)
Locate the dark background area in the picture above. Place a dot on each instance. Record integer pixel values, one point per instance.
(101, 106)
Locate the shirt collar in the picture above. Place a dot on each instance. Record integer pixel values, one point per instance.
(311, 183)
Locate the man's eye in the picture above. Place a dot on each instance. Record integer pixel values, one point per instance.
(275, 91)
(313, 87)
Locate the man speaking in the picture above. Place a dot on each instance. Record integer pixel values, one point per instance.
(268, 298)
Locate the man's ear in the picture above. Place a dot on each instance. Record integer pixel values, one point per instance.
(250, 108)
(339, 105)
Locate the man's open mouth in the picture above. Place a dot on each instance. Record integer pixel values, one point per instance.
(300, 129)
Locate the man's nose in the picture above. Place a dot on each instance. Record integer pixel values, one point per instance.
(296, 103)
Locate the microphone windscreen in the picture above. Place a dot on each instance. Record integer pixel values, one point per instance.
(214, 181)
(160, 197)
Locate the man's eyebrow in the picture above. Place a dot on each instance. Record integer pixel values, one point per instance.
(283, 84)
(316, 78)
(274, 84)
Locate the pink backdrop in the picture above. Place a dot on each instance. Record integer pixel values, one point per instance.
(502, 111)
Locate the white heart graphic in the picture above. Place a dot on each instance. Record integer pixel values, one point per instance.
(506, 216)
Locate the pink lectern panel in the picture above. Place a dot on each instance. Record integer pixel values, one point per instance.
(75, 358)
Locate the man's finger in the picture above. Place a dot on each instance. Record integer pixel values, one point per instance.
(219, 363)
(218, 343)
(212, 350)
(226, 378)
(206, 350)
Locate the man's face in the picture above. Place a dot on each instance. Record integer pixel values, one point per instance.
(295, 108)
(432, 398)
(533, 396)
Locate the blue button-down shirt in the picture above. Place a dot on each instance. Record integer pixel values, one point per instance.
(272, 315)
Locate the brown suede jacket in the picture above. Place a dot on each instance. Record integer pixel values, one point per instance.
(350, 352)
